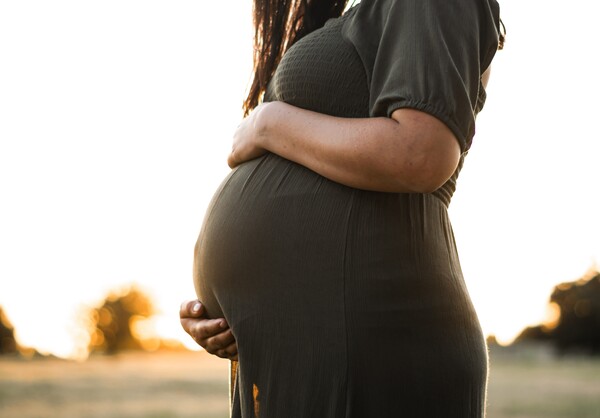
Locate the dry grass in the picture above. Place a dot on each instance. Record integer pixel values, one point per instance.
(133, 386)
(533, 384)
(522, 385)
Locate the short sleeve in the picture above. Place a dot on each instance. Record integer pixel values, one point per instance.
(427, 55)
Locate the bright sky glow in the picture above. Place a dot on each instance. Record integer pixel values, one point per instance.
(116, 119)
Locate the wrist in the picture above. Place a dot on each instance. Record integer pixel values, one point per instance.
(265, 123)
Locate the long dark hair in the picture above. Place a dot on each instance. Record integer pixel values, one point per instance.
(278, 24)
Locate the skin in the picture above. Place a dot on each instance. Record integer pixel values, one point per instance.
(214, 335)
(410, 152)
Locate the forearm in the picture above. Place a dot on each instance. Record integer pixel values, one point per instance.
(381, 154)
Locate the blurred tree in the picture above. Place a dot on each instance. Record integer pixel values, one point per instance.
(577, 325)
(113, 324)
(8, 344)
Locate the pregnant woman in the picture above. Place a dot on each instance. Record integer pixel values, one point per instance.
(328, 250)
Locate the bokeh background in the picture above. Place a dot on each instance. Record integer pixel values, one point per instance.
(115, 123)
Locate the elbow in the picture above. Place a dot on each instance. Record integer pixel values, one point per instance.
(429, 155)
(428, 171)
(426, 181)
(431, 187)
(426, 186)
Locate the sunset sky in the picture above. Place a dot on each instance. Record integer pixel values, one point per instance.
(115, 122)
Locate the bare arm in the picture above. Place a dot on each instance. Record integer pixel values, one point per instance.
(410, 152)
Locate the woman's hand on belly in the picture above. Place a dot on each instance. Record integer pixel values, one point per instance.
(246, 139)
(214, 335)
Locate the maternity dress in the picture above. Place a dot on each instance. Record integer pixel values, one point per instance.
(348, 303)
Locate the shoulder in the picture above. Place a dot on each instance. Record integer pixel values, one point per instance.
(382, 8)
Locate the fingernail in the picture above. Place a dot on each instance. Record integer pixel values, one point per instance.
(223, 324)
(196, 307)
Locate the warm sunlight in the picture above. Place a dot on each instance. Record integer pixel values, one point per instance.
(115, 122)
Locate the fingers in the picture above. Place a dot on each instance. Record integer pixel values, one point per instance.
(230, 352)
(207, 330)
(216, 338)
(191, 309)
(222, 345)
(230, 161)
(214, 335)
(220, 341)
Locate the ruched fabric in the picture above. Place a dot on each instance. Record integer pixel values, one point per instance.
(348, 303)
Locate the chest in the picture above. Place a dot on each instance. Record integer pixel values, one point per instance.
(322, 72)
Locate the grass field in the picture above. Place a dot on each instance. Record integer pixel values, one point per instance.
(195, 385)
(531, 384)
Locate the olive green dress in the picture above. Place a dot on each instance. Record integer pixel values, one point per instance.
(348, 303)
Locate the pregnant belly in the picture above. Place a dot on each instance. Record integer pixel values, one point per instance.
(279, 239)
(272, 228)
